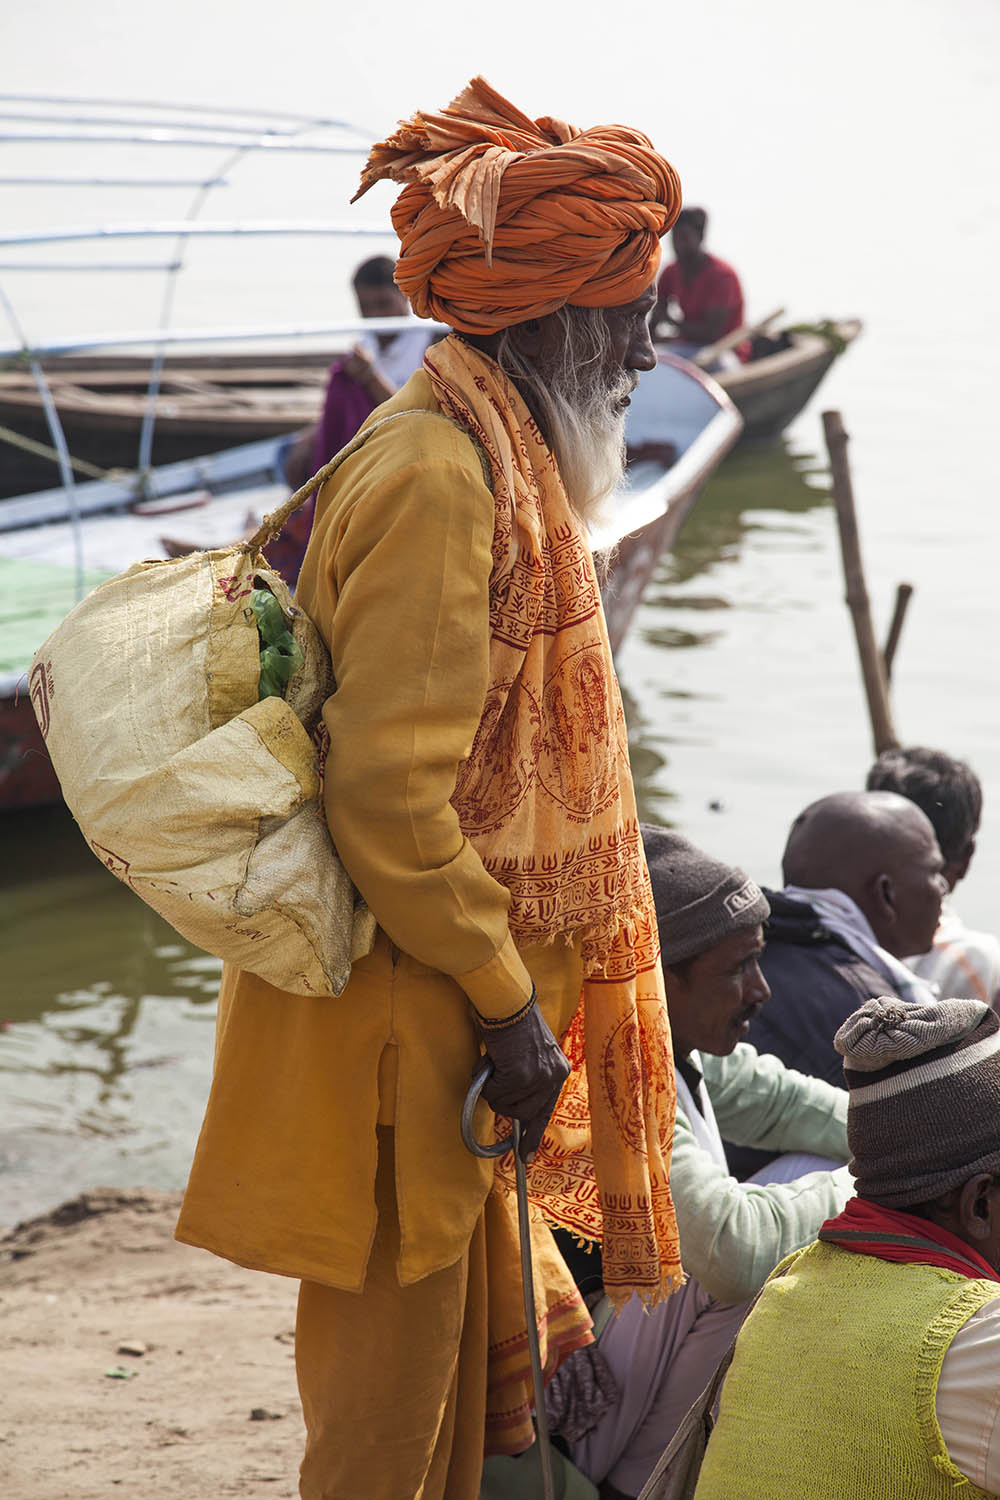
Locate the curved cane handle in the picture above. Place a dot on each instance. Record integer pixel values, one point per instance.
(495, 1148)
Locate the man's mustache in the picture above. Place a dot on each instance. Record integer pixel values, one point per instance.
(622, 384)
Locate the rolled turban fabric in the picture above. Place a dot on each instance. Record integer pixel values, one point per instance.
(504, 218)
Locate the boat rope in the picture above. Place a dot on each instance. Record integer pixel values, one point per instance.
(43, 450)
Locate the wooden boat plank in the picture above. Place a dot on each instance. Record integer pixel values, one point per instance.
(225, 377)
(308, 359)
(243, 466)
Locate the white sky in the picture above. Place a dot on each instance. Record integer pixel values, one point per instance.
(827, 142)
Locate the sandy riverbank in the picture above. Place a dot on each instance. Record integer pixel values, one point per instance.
(210, 1409)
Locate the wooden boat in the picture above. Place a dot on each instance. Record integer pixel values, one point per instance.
(771, 391)
(205, 403)
(51, 555)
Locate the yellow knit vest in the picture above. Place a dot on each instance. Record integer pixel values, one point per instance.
(831, 1392)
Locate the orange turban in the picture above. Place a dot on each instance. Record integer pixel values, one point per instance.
(505, 218)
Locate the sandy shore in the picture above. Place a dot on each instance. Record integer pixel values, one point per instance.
(209, 1409)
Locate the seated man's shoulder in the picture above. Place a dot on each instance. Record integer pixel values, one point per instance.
(796, 941)
(743, 1074)
(816, 981)
(963, 963)
(792, 920)
(743, 1062)
(805, 970)
(669, 279)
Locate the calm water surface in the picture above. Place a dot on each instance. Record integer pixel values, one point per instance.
(850, 171)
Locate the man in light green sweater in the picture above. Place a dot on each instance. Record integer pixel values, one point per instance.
(732, 1234)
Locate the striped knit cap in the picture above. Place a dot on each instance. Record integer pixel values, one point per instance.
(924, 1109)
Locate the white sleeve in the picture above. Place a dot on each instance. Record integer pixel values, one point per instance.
(968, 1398)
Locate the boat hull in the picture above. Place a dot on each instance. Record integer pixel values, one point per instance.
(204, 405)
(769, 393)
(210, 402)
(27, 775)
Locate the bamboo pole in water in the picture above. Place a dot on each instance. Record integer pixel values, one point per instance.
(904, 593)
(872, 663)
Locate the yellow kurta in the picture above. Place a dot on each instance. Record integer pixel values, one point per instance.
(396, 579)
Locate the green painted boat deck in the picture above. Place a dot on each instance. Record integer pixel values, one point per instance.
(34, 598)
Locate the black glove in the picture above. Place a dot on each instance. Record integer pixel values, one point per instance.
(529, 1070)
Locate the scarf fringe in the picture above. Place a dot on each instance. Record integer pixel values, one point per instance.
(650, 1297)
(594, 938)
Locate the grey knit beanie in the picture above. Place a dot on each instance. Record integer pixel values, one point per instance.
(924, 1108)
(699, 900)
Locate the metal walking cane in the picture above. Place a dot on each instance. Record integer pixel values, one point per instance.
(500, 1148)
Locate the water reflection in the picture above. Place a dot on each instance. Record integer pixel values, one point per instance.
(652, 797)
(696, 601)
(107, 1018)
(757, 477)
(72, 929)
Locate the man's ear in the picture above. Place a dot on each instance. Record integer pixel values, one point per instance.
(883, 895)
(528, 337)
(975, 1206)
(957, 869)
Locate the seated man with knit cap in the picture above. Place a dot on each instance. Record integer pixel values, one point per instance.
(870, 1366)
(709, 916)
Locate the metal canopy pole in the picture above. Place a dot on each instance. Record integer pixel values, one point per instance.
(225, 334)
(214, 111)
(241, 133)
(58, 439)
(164, 228)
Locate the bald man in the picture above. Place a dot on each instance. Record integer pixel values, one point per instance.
(863, 888)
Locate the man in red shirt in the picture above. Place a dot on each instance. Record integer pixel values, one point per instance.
(699, 298)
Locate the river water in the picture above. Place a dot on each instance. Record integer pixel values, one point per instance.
(849, 178)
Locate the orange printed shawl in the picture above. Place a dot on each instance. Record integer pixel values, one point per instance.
(546, 799)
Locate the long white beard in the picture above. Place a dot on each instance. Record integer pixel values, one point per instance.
(589, 444)
(580, 397)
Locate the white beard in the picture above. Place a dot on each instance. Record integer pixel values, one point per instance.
(580, 399)
(590, 452)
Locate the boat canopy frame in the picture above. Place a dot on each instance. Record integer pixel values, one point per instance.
(239, 134)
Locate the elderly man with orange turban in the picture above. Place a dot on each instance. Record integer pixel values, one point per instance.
(477, 787)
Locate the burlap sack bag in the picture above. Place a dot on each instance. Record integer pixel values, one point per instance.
(202, 799)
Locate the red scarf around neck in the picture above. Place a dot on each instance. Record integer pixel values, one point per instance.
(890, 1234)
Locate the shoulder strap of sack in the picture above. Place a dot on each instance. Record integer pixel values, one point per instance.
(272, 524)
